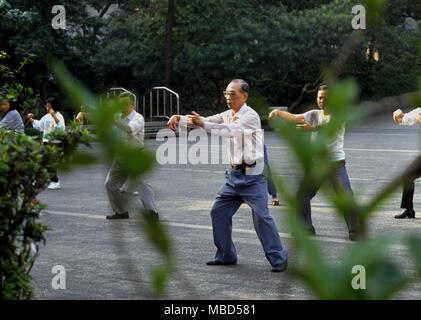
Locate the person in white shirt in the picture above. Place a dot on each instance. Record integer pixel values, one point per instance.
(244, 181)
(339, 179)
(48, 123)
(407, 202)
(117, 183)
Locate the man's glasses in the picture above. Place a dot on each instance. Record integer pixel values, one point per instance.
(233, 94)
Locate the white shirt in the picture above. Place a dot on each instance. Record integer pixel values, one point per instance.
(317, 118)
(410, 118)
(243, 133)
(134, 127)
(47, 124)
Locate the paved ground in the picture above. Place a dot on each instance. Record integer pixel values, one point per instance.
(111, 260)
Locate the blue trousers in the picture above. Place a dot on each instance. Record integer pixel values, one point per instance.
(252, 190)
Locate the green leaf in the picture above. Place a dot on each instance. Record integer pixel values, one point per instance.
(414, 243)
(159, 277)
(157, 234)
(374, 8)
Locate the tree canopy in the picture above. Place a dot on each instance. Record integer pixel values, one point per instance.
(277, 46)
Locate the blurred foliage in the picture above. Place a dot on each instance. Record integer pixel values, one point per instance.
(26, 167)
(385, 276)
(133, 160)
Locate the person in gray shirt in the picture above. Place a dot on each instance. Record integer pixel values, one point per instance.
(339, 179)
(11, 119)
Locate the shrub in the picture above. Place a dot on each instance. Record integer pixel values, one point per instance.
(25, 170)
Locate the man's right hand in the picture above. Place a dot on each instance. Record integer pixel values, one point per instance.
(273, 114)
(173, 122)
(30, 117)
(398, 116)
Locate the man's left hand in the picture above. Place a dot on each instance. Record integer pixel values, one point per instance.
(273, 114)
(196, 119)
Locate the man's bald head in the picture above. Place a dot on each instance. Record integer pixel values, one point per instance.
(236, 94)
(243, 85)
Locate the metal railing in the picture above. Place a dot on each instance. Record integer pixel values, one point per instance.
(113, 92)
(160, 103)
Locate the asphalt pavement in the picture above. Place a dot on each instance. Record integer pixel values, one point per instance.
(112, 259)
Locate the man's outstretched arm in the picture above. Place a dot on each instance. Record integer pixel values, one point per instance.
(287, 116)
(407, 119)
(177, 119)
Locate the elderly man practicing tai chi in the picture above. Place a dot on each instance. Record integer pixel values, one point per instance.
(244, 181)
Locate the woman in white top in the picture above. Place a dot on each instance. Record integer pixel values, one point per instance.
(407, 203)
(48, 123)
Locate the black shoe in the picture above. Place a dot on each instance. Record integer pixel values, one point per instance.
(354, 236)
(220, 263)
(408, 213)
(154, 215)
(124, 215)
(280, 267)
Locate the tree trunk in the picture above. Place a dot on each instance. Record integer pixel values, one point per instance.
(309, 88)
(168, 42)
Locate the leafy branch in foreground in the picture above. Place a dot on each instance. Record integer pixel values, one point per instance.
(135, 161)
(385, 277)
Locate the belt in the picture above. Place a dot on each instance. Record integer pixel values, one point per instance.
(243, 166)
